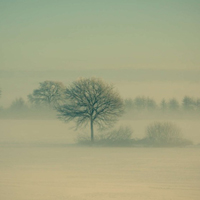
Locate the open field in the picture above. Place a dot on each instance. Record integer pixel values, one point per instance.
(37, 162)
(75, 173)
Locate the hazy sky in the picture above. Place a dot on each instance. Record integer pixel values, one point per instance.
(106, 34)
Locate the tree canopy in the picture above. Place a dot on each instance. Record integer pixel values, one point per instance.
(49, 93)
(91, 101)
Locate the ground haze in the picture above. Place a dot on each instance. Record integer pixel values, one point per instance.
(39, 161)
(76, 173)
(148, 51)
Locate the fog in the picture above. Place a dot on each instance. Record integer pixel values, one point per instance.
(39, 160)
(148, 52)
(54, 132)
(100, 173)
(42, 158)
(157, 84)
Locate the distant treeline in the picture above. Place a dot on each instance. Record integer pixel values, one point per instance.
(19, 108)
(144, 103)
(133, 107)
(42, 103)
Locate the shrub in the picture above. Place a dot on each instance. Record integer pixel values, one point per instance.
(119, 137)
(164, 134)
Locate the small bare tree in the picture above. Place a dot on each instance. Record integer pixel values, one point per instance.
(50, 93)
(91, 101)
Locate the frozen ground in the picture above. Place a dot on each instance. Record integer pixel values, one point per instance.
(80, 173)
(75, 173)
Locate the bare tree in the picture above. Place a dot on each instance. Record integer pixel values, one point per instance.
(50, 93)
(91, 101)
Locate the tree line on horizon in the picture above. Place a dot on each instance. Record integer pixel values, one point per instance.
(93, 102)
(51, 93)
(85, 101)
(188, 104)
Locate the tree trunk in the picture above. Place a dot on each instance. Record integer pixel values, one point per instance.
(92, 131)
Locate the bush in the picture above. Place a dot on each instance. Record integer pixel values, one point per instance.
(119, 137)
(164, 134)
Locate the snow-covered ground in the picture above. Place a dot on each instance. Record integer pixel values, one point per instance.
(78, 173)
(85, 173)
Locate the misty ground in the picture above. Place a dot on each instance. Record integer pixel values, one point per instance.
(56, 132)
(37, 161)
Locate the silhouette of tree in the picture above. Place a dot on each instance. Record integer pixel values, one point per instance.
(49, 93)
(163, 105)
(173, 104)
(144, 103)
(91, 101)
(18, 105)
(188, 103)
(140, 103)
(151, 104)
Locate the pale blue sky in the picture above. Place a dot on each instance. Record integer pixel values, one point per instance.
(106, 34)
